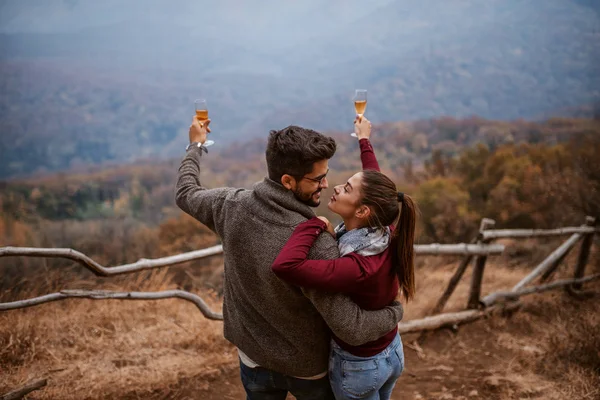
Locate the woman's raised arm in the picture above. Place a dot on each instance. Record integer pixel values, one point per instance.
(362, 128)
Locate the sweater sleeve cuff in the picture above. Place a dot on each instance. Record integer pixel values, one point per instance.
(365, 144)
(194, 147)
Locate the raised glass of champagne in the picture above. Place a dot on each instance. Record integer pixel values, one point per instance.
(202, 115)
(360, 103)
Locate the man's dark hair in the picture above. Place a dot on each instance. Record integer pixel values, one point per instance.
(294, 150)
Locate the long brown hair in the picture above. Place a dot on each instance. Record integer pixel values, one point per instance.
(380, 195)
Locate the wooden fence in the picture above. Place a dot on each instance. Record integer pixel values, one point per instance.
(477, 307)
(144, 264)
(479, 249)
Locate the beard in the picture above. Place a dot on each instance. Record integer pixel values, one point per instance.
(307, 198)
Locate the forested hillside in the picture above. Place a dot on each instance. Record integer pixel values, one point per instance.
(522, 174)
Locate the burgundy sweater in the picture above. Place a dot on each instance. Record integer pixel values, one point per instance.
(369, 281)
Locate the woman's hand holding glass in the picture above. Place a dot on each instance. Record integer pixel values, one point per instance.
(362, 127)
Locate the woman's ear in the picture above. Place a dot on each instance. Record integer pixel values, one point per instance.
(288, 181)
(363, 212)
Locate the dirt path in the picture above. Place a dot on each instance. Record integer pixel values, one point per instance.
(455, 366)
(492, 359)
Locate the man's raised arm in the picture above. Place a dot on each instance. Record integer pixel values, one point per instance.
(194, 199)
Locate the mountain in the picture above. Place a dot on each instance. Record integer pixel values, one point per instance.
(495, 59)
(111, 81)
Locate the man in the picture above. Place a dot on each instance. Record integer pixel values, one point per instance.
(279, 329)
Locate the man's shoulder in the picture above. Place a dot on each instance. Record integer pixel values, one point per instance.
(258, 207)
(236, 193)
(324, 248)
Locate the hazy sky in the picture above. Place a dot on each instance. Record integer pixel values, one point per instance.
(269, 22)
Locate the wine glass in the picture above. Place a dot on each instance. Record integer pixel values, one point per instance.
(202, 116)
(360, 104)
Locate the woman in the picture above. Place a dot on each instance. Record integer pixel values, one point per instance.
(376, 261)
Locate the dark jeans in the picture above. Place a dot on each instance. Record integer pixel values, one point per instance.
(264, 384)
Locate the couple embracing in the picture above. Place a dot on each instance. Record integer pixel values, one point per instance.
(311, 309)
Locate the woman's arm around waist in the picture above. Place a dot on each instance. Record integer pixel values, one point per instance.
(342, 274)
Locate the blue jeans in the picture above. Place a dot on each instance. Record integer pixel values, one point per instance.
(264, 384)
(373, 378)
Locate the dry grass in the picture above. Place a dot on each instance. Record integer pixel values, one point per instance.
(554, 344)
(572, 353)
(166, 349)
(104, 348)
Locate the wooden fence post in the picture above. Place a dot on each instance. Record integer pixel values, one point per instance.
(452, 283)
(584, 253)
(462, 267)
(477, 277)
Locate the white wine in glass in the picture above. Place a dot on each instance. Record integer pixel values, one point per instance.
(360, 104)
(202, 116)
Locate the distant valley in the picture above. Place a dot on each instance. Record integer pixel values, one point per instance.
(73, 94)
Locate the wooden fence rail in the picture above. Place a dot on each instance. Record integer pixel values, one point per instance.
(496, 297)
(549, 262)
(106, 294)
(529, 233)
(144, 264)
(100, 270)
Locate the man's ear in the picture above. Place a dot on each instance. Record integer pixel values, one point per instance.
(363, 212)
(288, 181)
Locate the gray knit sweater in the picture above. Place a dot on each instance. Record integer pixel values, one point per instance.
(278, 325)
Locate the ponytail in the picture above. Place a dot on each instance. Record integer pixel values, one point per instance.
(405, 238)
(379, 193)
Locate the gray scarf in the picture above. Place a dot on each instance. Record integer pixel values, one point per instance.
(364, 241)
